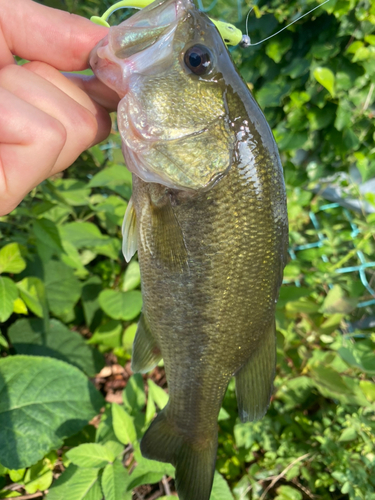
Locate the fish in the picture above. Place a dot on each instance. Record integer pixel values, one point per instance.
(208, 217)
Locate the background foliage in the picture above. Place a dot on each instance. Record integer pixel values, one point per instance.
(69, 304)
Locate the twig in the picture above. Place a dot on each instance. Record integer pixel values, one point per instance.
(368, 98)
(302, 488)
(156, 495)
(165, 482)
(282, 474)
(28, 497)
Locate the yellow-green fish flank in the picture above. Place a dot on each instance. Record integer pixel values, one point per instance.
(208, 218)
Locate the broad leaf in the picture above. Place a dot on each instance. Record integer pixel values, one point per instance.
(90, 293)
(11, 260)
(33, 293)
(149, 471)
(91, 455)
(337, 301)
(132, 278)
(121, 305)
(325, 77)
(32, 337)
(74, 192)
(158, 394)
(8, 294)
(47, 233)
(286, 492)
(115, 175)
(109, 334)
(123, 425)
(134, 394)
(76, 484)
(115, 480)
(62, 287)
(220, 489)
(42, 401)
(82, 234)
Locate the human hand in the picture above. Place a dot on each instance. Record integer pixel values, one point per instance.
(47, 119)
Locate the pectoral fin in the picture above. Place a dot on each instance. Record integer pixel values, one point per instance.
(162, 236)
(129, 232)
(254, 381)
(146, 352)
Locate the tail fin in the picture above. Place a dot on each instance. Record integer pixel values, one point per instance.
(195, 465)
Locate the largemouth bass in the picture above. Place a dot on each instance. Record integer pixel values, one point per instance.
(208, 217)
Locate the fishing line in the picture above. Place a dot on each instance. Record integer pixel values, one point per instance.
(246, 40)
(230, 33)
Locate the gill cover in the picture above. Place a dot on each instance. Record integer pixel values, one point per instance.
(173, 120)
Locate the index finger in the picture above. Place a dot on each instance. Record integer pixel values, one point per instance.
(38, 33)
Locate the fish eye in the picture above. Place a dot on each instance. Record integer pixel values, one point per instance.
(198, 59)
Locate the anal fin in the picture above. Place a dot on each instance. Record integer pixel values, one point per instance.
(254, 381)
(129, 232)
(146, 352)
(195, 463)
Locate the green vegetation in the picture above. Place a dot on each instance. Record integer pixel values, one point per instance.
(69, 304)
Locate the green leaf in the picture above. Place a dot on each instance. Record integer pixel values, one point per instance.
(4, 343)
(47, 233)
(63, 289)
(332, 385)
(75, 193)
(337, 302)
(90, 293)
(320, 118)
(344, 115)
(42, 401)
(132, 278)
(121, 305)
(123, 425)
(72, 258)
(220, 489)
(19, 306)
(11, 260)
(111, 177)
(158, 394)
(108, 334)
(76, 484)
(351, 140)
(286, 492)
(134, 396)
(33, 293)
(271, 94)
(128, 337)
(8, 294)
(82, 234)
(326, 78)
(348, 434)
(33, 337)
(150, 410)
(292, 294)
(368, 389)
(38, 477)
(359, 354)
(91, 455)
(277, 48)
(115, 480)
(149, 471)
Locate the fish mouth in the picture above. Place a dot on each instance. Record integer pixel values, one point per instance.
(138, 44)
